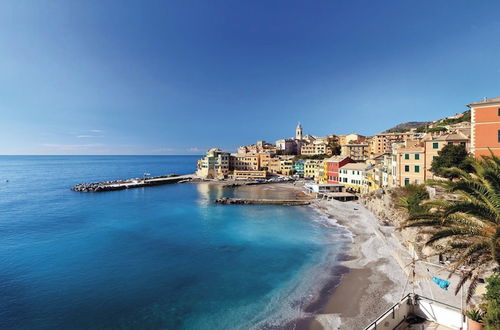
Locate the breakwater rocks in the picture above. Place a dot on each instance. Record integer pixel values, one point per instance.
(226, 200)
(131, 183)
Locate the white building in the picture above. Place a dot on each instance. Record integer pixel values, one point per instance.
(353, 175)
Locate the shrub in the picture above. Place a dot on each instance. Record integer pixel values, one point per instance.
(492, 296)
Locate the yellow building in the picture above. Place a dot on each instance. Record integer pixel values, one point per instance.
(245, 162)
(286, 166)
(315, 148)
(249, 174)
(409, 164)
(311, 167)
(434, 144)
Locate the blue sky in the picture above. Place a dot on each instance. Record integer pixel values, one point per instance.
(178, 77)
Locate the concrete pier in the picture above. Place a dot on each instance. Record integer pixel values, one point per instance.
(226, 200)
(131, 183)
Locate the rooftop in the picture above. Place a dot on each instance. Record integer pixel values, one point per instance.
(486, 101)
(459, 136)
(355, 166)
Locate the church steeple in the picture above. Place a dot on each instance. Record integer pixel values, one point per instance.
(298, 132)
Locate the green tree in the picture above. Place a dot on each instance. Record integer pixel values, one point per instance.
(467, 228)
(492, 317)
(451, 156)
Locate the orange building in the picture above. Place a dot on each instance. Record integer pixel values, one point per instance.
(485, 128)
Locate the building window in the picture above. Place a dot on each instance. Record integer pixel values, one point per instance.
(417, 156)
(407, 168)
(499, 135)
(435, 145)
(407, 181)
(407, 156)
(499, 111)
(463, 143)
(417, 169)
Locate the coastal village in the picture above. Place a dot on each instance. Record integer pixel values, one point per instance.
(356, 163)
(392, 175)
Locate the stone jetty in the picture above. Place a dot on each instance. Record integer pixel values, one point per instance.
(226, 200)
(131, 183)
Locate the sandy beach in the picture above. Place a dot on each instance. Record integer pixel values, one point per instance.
(372, 278)
(372, 274)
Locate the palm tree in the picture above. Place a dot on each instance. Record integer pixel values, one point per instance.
(468, 227)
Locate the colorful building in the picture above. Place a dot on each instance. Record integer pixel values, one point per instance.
(434, 144)
(248, 175)
(382, 143)
(215, 164)
(332, 166)
(485, 127)
(357, 151)
(298, 167)
(315, 148)
(245, 162)
(354, 176)
(311, 168)
(409, 164)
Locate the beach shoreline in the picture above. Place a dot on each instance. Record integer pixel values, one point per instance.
(373, 279)
(368, 279)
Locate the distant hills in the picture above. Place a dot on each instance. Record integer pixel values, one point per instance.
(405, 127)
(421, 126)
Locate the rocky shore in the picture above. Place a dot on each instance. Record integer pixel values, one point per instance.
(130, 183)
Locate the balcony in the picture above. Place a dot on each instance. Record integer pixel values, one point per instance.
(417, 312)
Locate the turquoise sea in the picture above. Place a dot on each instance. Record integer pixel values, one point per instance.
(152, 258)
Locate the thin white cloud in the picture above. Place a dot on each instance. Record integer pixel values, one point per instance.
(83, 136)
(194, 149)
(96, 130)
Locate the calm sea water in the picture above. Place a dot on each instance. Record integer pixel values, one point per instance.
(155, 258)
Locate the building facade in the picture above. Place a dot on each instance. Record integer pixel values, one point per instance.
(409, 165)
(353, 175)
(332, 165)
(434, 144)
(245, 162)
(215, 164)
(485, 127)
(311, 167)
(357, 152)
(315, 148)
(382, 143)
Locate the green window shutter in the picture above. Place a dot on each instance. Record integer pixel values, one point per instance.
(435, 145)
(407, 156)
(417, 169)
(407, 168)
(417, 156)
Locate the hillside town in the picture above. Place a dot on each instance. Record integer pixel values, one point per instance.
(359, 163)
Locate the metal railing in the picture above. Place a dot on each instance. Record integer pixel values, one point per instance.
(392, 310)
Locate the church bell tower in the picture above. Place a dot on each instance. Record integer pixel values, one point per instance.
(298, 132)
